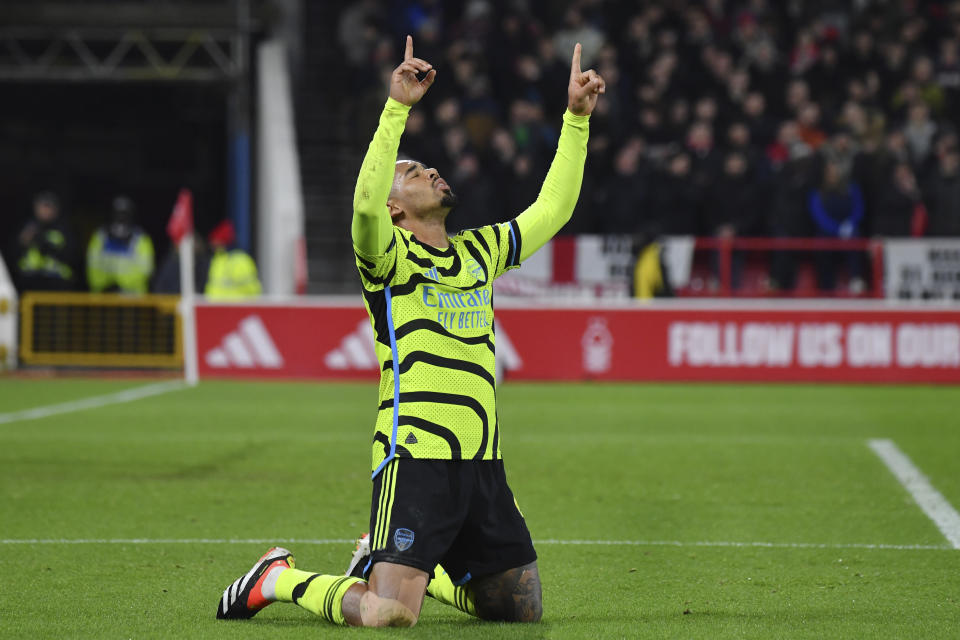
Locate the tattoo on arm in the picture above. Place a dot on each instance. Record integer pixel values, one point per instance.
(511, 596)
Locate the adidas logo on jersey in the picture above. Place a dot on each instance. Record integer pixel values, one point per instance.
(432, 274)
(355, 350)
(247, 347)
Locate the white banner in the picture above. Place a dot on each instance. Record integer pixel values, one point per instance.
(597, 267)
(927, 269)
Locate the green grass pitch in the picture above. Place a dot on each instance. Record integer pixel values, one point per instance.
(676, 471)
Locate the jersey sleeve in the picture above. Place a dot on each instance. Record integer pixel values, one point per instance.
(378, 271)
(372, 229)
(561, 188)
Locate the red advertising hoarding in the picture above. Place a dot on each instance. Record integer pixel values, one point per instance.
(773, 342)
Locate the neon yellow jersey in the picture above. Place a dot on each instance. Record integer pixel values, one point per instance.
(432, 314)
(432, 309)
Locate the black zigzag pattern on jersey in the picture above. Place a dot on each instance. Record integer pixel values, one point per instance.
(427, 263)
(435, 429)
(377, 301)
(519, 243)
(440, 361)
(434, 251)
(366, 263)
(370, 277)
(475, 252)
(432, 325)
(382, 438)
(410, 285)
(438, 397)
(496, 235)
(478, 235)
(496, 431)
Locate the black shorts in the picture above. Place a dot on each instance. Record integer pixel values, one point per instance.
(456, 513)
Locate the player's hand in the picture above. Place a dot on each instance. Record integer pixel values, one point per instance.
(584, 88)
(404, 86)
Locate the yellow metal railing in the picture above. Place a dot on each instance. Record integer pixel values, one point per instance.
(100, 330)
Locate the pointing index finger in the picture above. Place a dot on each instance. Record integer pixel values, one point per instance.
(575, 63)
(408, 53)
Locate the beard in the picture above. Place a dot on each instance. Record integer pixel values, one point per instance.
(449, 200)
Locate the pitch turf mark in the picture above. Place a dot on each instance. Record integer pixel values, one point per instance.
(545, 542)
(931, 501)
(94, 402)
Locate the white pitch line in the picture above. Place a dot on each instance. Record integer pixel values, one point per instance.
(95, 402)
(606, 543)
(924, 494)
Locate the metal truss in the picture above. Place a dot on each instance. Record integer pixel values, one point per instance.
(86, 54)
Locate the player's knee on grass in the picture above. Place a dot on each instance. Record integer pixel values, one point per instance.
(393, 597)
(384, 612)
(512, 596)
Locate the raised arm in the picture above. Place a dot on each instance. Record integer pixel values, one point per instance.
(372, 229)
(561, 188)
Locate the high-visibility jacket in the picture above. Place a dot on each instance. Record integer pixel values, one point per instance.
(45, 262)
(126, 266)
(232, 276)
(647, 273)
(46, 256)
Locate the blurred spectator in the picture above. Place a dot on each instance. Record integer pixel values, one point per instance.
(922, 75)
(626, 194)
(791, 162)
(919, 131)
(120, 255)
(943, 196)
(899, 208)
(168, 275)
(44, 249)
(733, 208)
(836, 207)
(703, 154)
(841, 150)
(577, 29)
(948, 71)
(809, 127)
(756, 118)
(677, 199)
(233, 273)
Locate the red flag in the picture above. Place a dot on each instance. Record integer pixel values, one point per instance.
(181, 220)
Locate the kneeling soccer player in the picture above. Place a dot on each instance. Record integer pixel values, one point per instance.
(440, 495)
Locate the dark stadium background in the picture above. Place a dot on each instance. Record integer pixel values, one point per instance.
(670, 64)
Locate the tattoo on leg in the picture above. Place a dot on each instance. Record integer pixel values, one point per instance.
(511, 596)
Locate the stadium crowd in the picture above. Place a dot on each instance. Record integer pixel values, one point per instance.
(754, 118)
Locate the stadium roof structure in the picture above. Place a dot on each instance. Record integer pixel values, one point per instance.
(125, 41)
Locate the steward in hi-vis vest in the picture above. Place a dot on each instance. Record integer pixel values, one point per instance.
(120, 255)
(44, 249)
(233, 273)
